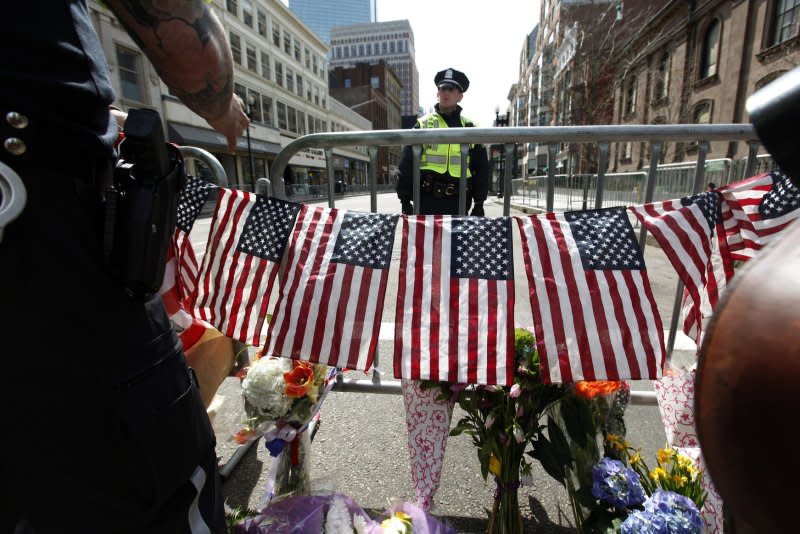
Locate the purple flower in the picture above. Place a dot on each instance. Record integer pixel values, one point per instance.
(516, 391)
(665, 512)
(616, 484)
(489, 421)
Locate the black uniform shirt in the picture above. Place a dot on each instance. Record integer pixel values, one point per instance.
(478, 164)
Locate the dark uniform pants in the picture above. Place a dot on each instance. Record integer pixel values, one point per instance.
(104, 429)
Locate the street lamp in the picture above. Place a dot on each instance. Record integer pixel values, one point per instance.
(250, 102)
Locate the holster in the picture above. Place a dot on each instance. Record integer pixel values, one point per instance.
(141, 205)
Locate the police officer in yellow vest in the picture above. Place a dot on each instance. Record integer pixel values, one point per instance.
(440, 165)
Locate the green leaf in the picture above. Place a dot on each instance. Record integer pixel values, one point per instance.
(559, 442)
(577, 419)
(461, 427)
(545, 453)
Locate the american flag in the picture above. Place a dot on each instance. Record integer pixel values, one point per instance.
(595, 315)
(192, 199)
(455, 300)
(690, 232)
(760, 207)
(180, 274)
(331, 302)
(246, 242)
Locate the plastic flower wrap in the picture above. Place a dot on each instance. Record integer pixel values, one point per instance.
(281, 392)
(338, 514)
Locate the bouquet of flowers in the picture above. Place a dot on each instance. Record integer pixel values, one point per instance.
(577, 426)
(636, 500)
(502, 422)
(281, 398)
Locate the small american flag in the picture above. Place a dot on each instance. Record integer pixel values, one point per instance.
(192, 199)
(331, 302)
(246, 242)
(455, 300)
(761, 207)
(595, 315)
(180, 273)
(690, 232)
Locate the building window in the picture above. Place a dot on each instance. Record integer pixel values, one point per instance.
(247, 12)
(301, 123)
(262, 23)
(391, 47)
(236, 48)
(276, 35)
(266, 71)
(290, 79)
(369, 49)
(297, 51)
(299, 85)
(266, 107)
(287, 43)
(233, 6)
(347, 83)
(254, 106)
(308, 56)
(314, 64)
(630, 95)
(316, 95)
(292, 114)
(252, 63)
(702, 113)
(279, 73)
(710, 50)
(784, 21)
(361, 50)
(627, 151)
(130, 74)
(375, 82)
(240, 91)
(661, 88)
(281, 115)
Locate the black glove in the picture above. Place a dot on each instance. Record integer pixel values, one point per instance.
(477, 210)
(408, 208)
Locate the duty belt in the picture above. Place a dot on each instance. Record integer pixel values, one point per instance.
(439, 187)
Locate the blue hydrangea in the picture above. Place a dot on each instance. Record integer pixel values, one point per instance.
(644, 523)
(665, 512)
(616, 484)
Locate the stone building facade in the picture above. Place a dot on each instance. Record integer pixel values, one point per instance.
(697, 62)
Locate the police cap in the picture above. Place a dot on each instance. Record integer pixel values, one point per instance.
(452, 77)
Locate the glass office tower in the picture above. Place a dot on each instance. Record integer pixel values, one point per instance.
(322, 15)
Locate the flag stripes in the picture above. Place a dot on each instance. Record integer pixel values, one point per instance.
(451, 323)
(591, 323)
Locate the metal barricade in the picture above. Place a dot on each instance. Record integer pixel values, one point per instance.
(553, 190)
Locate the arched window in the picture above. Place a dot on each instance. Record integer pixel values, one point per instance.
(710, 51)
(701, 114)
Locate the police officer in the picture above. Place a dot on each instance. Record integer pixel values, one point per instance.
(105, 430)
(440, 165)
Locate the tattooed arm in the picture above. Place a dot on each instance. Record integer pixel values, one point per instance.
(187, 46)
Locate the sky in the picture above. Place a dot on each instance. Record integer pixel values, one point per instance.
(481, 38)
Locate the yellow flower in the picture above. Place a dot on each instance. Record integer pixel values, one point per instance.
(494, 465)
(658, 473)
(399, 523)
(684, 462)
(616, 442)
(693, 472)
(680, 480)
(635, 458)
(664, 455)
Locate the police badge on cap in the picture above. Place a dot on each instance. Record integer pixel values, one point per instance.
(452, 77)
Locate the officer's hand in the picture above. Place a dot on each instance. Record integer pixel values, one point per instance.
(408, 208)
(477, 210)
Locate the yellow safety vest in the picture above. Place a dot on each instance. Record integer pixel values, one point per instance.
(441, 159)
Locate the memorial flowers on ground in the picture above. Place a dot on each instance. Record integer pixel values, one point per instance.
(503, 422)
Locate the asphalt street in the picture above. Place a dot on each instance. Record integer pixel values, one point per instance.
(360, 446)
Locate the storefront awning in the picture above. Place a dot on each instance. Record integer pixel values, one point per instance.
(184, 134)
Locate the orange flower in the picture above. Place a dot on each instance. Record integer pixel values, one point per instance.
(243, 436)
(590, 390)
(299, 380)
